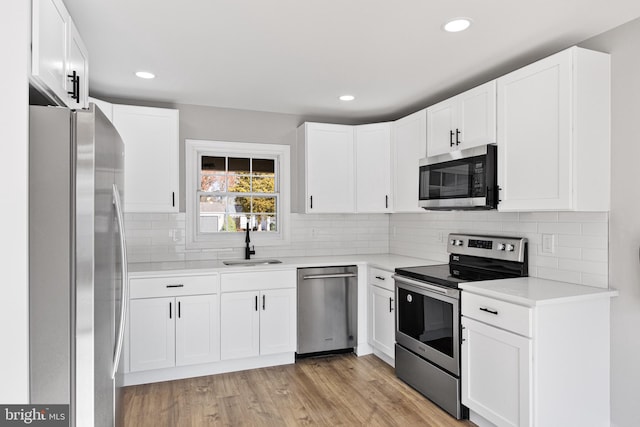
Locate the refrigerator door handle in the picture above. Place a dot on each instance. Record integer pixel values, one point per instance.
(125, 281)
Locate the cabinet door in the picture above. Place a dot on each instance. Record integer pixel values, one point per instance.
(534, 136)
(476, 117)
(409, 146)
(278, 321)
(330, 176)
(78, 62)
(49, 47)
(373, 167)
(151, 333)
(496, 374)
(197, 330)
(239, 325)
(440, 125)
(383, 320)
(150, 138)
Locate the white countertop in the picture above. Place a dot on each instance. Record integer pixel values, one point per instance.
(532, 291)
(384, 261)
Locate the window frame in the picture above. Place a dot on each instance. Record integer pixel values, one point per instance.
(194, 150)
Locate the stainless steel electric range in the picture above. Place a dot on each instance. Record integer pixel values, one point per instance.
(428, 312)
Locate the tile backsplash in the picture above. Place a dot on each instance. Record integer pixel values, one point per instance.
(160, 237)
(579, 252)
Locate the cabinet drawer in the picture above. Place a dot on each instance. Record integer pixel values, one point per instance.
(505, 315)
(381, 278)
(150, 287)
(258, 280)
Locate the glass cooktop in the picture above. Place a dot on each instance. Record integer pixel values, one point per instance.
(439, 274)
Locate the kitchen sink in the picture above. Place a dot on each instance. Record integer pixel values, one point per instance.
(251, 262)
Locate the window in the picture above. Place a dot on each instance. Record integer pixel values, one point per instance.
(232, 186)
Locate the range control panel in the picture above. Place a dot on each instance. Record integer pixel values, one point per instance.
(498, 247)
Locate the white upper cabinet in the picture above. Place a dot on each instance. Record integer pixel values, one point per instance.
(554, 134)
(150, 138)
(56, 52)
(409, 145)
(326, 175)
(373, 167)
(464, 121)
(77, 70)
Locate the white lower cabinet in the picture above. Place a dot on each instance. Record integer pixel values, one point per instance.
(382, 313)
(197, 330)
(152, 334)
(168, 327)
(541, 365)
(258, 314)
(496, 379)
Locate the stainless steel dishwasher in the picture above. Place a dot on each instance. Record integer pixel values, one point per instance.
(327, 309)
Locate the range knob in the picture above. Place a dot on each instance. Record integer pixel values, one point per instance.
(500, 247)
(452, 242)
(458, 243)
(509, 247)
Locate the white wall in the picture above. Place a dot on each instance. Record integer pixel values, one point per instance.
(14, 50)
(624, 220)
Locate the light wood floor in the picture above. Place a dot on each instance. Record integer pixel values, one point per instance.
(336, 390)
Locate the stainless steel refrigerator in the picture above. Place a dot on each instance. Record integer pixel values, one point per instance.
(77, 263)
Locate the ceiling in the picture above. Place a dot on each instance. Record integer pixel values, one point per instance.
(298, 56)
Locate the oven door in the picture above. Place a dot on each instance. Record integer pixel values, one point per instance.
(428, 322)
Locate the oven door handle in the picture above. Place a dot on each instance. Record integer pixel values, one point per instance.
(433, 288)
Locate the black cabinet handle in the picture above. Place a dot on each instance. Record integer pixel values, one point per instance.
(263, 302)
(179, 285)
(173, 199)
(256, 302)
(386, 202)
(75, 80)
(179, 311)
(390, 304)
(311, 203)
(170, 310)
(379, 277)
(488, 310)
(458, 137)
(450, 138)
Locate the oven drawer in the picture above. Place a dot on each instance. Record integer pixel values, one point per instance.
(381, 278)
(505, 315)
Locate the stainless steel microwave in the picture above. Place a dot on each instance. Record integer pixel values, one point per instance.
(460, 180)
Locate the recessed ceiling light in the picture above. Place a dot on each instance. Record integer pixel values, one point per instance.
(145, 75)
(457, 24)
(347, 98)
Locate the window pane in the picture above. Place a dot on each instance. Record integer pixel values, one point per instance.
(239, 165)
(263, 166)
(211, 182)
(240, 222)
(265, 223)
(240, 184)
(213, 164)
(239, 204)
(264, 205)
(212, 210)
(264, 184)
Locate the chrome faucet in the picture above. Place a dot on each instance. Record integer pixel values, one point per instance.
(248, 251)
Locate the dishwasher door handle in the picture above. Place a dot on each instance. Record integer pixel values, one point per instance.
(329, 276)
